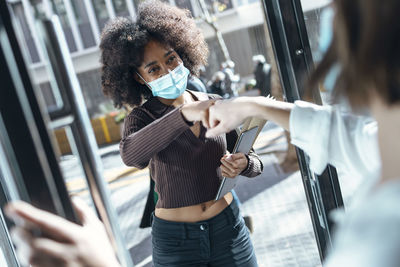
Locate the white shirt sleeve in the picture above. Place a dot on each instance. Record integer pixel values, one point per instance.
(369, 236)
(329, 136)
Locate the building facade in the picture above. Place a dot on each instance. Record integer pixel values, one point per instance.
(241, 23)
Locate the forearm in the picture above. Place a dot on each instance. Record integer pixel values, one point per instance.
(139, 147)
(268, 109)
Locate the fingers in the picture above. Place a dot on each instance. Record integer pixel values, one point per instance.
(48, 223)
(84, 212)
(228, 173)
(236, 160)
(205, 113)
(213, 120)
(46, 248)
(216, 125)
(205, 118)
(229, 167)
(22, 240)
(217, 130)
(233, 165)
(238, 156)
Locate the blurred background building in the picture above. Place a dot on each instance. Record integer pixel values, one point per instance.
(241, 23)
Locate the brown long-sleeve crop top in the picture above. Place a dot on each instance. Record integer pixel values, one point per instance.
(185, 168)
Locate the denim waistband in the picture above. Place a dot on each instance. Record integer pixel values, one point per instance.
(169, 229)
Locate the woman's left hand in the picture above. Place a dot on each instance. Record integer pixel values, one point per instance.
(233, 164)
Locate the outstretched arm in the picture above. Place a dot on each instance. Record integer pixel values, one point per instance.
(327, 135)
(225, 116)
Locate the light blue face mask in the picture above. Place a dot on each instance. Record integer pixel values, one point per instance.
(325, 40)
(171, 85)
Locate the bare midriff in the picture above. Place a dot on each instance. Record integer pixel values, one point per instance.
(195, 213)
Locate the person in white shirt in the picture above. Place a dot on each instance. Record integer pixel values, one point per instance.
(369, 77)
(327, 135)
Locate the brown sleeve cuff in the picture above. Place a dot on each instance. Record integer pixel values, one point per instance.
(254, 167)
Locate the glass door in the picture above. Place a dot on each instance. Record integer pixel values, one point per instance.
(295, 62)
(34, 174)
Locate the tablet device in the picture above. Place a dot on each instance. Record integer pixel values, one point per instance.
(243, 145)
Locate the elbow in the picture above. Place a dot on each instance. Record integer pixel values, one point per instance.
(132, 162)
(130, 158)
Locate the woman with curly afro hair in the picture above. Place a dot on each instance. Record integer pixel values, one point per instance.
(145, 64)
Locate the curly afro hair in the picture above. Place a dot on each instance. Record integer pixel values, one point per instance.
(123, 41)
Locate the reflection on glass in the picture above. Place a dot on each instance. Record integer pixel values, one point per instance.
(219, 6)
(120, 8)
(137, 2)
(2, 259)
(18, 11)
(48, 96)
(313, 11)
(313, 17)
(82, 20)
(186, 4)
(62, 13)
(100, 9)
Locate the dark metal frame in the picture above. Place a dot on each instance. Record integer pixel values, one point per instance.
(292, 50)
(27, 125)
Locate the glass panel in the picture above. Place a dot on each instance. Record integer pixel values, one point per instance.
(83, 22)
(100, 9)
(186, 4)
(215, 7)
(137, 2)
(275, 201)
(18, 12)
(48, 96)
(62, 13)
(318, 16)
(120, 8)
(314, 13)
(2, 258)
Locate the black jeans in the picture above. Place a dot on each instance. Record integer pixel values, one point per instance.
(220, 241)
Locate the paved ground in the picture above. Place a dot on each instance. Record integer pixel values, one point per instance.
(283, 234)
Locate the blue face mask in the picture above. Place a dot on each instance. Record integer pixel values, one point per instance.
(171, 85)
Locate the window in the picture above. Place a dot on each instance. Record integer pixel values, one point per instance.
(62, 13)
(100, 9)
(83, 22)
(215, 7)
(120, 8)
(24, 26)
(186, 4)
